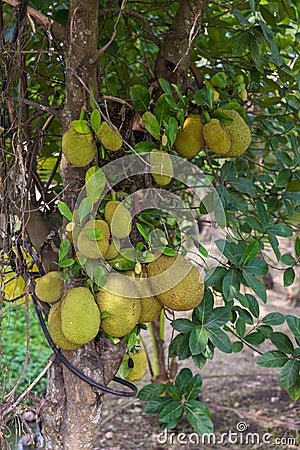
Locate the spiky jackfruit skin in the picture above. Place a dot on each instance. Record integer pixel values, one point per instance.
(79, 149)
(55, 330)
(50, 287)
(113, 249)
(109, 138)
(139, 361)
(216, 137)
(94, 249)
(182, 295)
(161, 167)
(119, 219)
(80, 316)
(125, 311)
(239, 132)
(189, 140)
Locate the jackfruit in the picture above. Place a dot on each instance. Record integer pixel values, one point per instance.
(79, 149)
(94, 248)
(119, 219)
(161, 167)
(55, 331)
(216, 137)
(137, 365)
(125, 310)
(113, 249)
(239, 132)
(109, 137)
(80, 316)
(189, 140)
(181, 295)
(50, 287)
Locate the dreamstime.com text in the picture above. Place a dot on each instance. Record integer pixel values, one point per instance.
(241, 437)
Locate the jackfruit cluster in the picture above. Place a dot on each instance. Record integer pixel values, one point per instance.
(137, 365)
(109, 137)
(189, 139)
(79, 149)
(164, 273)
(161, 167)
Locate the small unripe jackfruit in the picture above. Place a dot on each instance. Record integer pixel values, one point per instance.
(125, 311)
(137, 365)
(50, 287)
(239, 132)
(185, 293)
(216, 137)
(55, 331)
(80, 316)
(79, 149)
(113, 249)
(119, 219)
(90, 248)
(189, 140)
(161, 167)
(109, 137)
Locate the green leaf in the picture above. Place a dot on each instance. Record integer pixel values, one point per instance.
(253, 305)
(282, 342)
(272, 358)
(140, 96)
(283, 178)
(171, 412)
(65, 211)
(95, 184)
(237, 347)
(255, 284)
(183, 325)
(254, 338)
(64, 249)
(174, 392)
(274, 318)
(225, 247)
(289, 373)
(274, 243)
(219, 317)
(144, 146)
(293, 323)
(93, 233)
(183, 379)
(262, 214)
(244, 185)
(151, 124)
(162, 109)
(198, 416)
(220, 339)
(240, 327)
(199, 360)
(143, 232)
(66, 263)
(204, 310)
(193, 388)
(169, 251)
(183, 350)
(198, 340)
(280, 230)
(165, 85)
(171, 130)
(84, 208)
(256, 267)
(156, 405)
(288, 260)
(250, 252)
(231, 284)
(81, 126)
(95, 120)
(294, 391)
(288, 277)
(214, 277)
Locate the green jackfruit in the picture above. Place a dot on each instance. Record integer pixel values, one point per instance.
(137, 363)
(90, 248)
(109, 138)
(50, 287)
(125, 311)
(216, 137)
(55, 331)
(80, 316)
(182, 295)
(189, 140)
(119, 219)
(161, 167)
(79, 149)
(239, 132)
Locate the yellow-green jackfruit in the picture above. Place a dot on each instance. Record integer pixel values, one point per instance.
(161, 167)
(50, 287)
(119, 219)
(55, 330)
(90, 248)
(178, 287)
(216, 137)
(109, 137)
(137, 363)
(239, 132)
(79, 149)
(113, 249)
(189, 140)
(80, 315)
(125, 311)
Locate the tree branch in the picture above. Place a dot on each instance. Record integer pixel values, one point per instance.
(173, 59)
(57, 29)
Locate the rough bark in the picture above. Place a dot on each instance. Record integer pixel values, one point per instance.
(173, 59)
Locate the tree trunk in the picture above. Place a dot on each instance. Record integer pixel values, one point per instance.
(72, 409)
